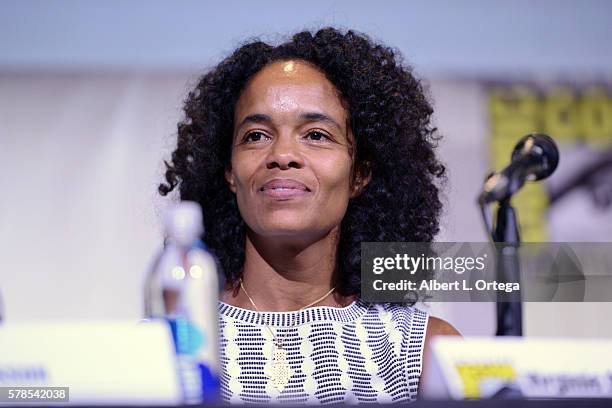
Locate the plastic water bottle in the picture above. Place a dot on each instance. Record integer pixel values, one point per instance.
(183, 288)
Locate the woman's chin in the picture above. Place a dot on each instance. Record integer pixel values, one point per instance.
(289, 230)
(286, 230)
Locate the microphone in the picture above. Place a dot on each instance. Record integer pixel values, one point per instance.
(535, 157)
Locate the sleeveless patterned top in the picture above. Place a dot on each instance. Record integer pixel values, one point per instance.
(362, 353)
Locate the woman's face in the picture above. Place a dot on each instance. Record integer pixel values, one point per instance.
(292, 153)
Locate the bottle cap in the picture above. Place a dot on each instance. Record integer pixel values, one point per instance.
(183, 222)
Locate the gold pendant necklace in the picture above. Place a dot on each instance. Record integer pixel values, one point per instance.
(280, 372)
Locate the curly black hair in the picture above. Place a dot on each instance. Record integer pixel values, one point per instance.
(389, 115)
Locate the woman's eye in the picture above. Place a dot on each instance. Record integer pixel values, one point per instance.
(253, 137)
(318, 136)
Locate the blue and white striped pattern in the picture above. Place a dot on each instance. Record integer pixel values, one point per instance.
(360, 353)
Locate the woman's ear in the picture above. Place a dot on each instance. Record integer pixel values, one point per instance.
(229, 177)
(363, 175)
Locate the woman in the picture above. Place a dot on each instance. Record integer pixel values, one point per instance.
(298, 153)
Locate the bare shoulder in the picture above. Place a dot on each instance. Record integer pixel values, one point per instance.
(435, 327)
(440, 327)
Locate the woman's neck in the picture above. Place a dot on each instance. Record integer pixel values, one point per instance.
(284, 275)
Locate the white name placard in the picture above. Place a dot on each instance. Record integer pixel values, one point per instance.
(103, 362)
(533, 368)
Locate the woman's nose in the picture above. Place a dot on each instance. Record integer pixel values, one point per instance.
(284, 153)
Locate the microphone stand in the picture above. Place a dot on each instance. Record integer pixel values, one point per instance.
(534, 157)
(506, 233)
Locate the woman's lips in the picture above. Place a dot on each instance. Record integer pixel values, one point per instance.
(284, 189)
